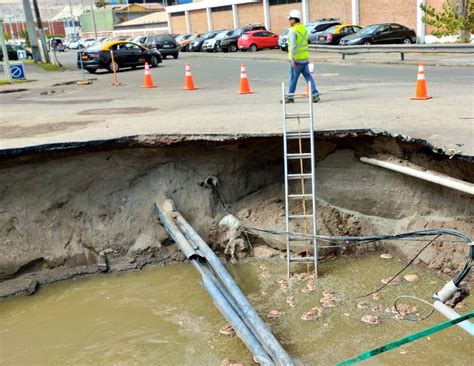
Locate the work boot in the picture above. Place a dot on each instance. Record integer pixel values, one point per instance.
(316, 98)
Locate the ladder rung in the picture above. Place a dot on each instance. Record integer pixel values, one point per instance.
(293, 238)
(300, 216)
(297, 135)
(297, 95)
(302, 259)
(300, 196)
(299, 156)
(297, 115)
(300, 176)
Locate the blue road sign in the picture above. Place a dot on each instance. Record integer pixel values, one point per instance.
(17, 71)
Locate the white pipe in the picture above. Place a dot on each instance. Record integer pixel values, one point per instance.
(451, 314)
(420, 26)
(266, 14)
(235, 16)
(209, 19)
(355, 12)
(437, 178)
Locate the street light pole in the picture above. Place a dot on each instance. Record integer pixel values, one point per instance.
(6, 62)
(41, 29)
(93, 20)
(31, 31)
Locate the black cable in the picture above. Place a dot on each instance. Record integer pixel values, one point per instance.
(401, 271)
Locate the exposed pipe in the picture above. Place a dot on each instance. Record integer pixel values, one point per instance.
(225, 302)
(268, 339)
(437, 178)
(451, 314)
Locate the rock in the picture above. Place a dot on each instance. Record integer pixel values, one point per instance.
(386, 256)
(410, 277)
(377, 309)
(312, 314)
(283, 282)
(264, 252)
(395, 282)
(143, 243)
(403, 352)
(377, 296)
(274, 314)
(447, 270)
(362, 305)
(227, 330)
(229, 362)
(328, 293)
(290, 300)
(371, 319)
(266, 274)
(244, 213)
(33, 286)
(328, 302)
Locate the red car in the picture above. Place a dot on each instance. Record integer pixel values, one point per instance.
(256, 40)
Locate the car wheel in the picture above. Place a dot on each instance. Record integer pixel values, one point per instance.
(253, 48)
(233, 47)
(367, 43)
(175, 56)
(407, 41)
(154, 61)
(113, 66)
(91, 71)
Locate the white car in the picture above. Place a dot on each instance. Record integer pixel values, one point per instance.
(73, 44)
(86, 42)
(212, 44)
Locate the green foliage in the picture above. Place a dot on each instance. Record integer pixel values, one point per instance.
(455, 18)
(55, 36)
(101, 4)
(7, 36)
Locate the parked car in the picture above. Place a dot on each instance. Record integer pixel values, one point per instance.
(229, 43)
(256, 40)
(212, 44)
(126, 54)
(140, 40)
(86, 42)
(197, 44)
(315, 29)
(73, 43)
(333, 35)
(283, 40)
(381, 34)
(56, 44)
(165, 43)
(101, 40)
(185, 41)
(11, 51)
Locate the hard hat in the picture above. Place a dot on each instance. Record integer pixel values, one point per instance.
(294, 14)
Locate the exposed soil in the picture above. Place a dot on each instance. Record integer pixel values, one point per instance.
(69, 210)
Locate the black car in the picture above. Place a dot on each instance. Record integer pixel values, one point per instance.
(229, 43)
(165, 43)
(126, 54)
(381, 34)
(333, 35)
(12, 51)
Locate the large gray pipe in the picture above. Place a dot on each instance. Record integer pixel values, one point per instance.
(266, 337)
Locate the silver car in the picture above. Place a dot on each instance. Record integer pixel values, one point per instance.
(317, 28)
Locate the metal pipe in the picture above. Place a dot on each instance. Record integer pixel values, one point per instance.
(437, 178)
(233, 318)
(268, 339)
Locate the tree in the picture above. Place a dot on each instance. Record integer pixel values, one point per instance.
(24, 35)
(455, 17)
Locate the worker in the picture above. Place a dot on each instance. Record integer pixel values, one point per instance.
(298, 55)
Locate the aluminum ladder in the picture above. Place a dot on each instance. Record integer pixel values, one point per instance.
(300, 180)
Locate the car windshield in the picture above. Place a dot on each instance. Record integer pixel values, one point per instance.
(237, 32)
(285, 32)
(332, 29)
(222, 34)
(164, 38)
(368, 30)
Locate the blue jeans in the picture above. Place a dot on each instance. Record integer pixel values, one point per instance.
(301, 68)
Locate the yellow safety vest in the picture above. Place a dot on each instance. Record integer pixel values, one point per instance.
(302, 49)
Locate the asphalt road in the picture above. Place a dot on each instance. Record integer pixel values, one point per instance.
(354, 95)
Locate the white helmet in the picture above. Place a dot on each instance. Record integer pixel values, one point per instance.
(295, 14)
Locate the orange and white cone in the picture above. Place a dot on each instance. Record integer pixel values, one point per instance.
(244, 82)
(421, 91)
(148, 81)
(188, 79)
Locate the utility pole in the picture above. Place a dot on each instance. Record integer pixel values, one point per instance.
(6, 63)
(41, 29)
(31, 31)
(72, 22)
(93, 19)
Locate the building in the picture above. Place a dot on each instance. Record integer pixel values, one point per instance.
(110, 16)
(204, 15)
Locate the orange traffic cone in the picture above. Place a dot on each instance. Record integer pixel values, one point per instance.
(188, 79)
(148, 81)
(244, 82)
(421, 91)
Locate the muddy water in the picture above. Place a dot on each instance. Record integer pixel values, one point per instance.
(162, 316)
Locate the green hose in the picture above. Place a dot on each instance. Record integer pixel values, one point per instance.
(408, 339)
